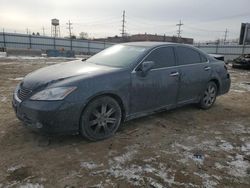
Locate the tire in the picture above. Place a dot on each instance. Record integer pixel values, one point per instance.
(100, 119)
(209, 96)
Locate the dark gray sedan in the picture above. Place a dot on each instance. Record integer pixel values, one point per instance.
(123, 82)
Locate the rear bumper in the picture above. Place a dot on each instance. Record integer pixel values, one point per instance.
(225, 85)
(48, 117)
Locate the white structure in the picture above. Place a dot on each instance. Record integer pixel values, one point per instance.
(55, 28)
(245, 34)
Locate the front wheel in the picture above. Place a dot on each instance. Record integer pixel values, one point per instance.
(209, 96)
(101, 118)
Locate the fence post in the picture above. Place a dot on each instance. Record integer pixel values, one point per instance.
(216, 49)
(54, 40)
(88, 48)
(4, 42)
(70, 43)
(243, 49)
(30, 45)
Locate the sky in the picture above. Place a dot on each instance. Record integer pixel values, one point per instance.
(203, 19)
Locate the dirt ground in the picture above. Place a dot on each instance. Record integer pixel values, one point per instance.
(186, 147)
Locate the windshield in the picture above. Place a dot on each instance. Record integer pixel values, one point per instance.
(117, 56)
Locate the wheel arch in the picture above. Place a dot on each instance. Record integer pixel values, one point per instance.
(217, 82)
(110, 94)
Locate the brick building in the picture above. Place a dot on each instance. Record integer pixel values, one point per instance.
(147, 37)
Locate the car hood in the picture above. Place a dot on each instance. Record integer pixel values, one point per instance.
(54, 73)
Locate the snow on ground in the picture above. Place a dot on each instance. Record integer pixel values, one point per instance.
(25, 57)
(240, 87)
(31, 185)
(237, 91)
(3, 99)
(16, 79)
(122, 167)
(14, 168)
(33, 57)
(238, 167)
(150, 171)
(28, 60)
(90, 165)
(226, 146)
(206, 180)
(245, 85)
(246, 148)
(238, 128)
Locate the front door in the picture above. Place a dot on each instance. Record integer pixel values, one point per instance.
(159, 87)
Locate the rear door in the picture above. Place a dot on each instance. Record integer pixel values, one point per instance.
(194, 73)
(159, 87)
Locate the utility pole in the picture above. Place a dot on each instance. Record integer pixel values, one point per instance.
(123, 24)
(70, 34)
(179, 29)
(43, 31)
(225, 36)
(4, 42)
(70, 28)
(27, 31)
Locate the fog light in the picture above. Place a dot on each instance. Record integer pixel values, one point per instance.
(39, 125)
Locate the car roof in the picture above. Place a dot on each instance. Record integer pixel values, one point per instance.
(151, 45)
(148, 44)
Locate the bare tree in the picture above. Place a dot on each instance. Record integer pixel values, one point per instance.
(83, 35)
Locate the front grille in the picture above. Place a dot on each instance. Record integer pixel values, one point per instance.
(23, 93)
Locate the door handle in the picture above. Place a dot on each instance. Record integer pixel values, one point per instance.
(207, 68)
(174, 74)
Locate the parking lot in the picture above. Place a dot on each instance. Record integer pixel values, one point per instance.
(186, 147)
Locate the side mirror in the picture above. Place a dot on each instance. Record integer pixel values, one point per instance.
(85, 58)
(145, 67)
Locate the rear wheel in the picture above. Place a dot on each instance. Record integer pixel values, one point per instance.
(101, 118)
(209, 96)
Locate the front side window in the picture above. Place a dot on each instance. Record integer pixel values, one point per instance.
(203, 58)
(187, 56)
(163, 57)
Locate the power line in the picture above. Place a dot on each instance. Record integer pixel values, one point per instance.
(103, 20)
(179, 29)
(203, 30)
(70, 28)
(123, 24)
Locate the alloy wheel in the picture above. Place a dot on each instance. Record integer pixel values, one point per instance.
(101, 118)
(210, 95)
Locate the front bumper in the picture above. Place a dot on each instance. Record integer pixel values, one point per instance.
(49, 117)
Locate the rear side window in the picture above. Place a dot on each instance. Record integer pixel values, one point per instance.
(163, 57)
(187, 56)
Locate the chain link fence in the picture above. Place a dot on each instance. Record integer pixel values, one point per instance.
(24, 41)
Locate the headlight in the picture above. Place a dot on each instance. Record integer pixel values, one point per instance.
(52, 94)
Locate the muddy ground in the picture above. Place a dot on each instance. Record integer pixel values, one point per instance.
(186, 147)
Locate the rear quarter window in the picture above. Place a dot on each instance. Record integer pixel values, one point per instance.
(187, 56)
